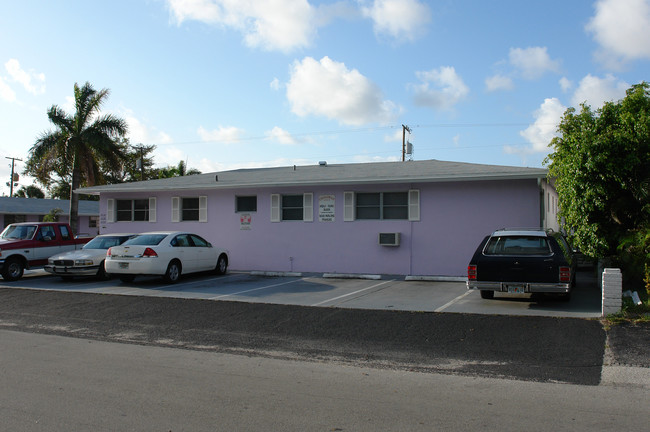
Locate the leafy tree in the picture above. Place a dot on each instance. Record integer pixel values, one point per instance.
(53, 215)
(137, 164)
(601, 166)
(30, 191)
(179, 170)
(77, 144)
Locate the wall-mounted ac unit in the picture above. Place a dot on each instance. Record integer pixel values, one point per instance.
(389, 239)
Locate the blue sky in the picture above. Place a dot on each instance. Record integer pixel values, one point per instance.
(226, 84)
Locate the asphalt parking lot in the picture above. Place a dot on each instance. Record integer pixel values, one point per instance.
(385, 293)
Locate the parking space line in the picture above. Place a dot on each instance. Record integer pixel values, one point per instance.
(352, 293)
(457, 299)
(255, 289)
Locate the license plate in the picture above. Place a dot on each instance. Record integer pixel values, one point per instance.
(124, 265)
(516, 289)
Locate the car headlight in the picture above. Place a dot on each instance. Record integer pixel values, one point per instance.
(83, 262)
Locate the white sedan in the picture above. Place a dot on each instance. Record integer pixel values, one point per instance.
(167, 254)
(87, 261)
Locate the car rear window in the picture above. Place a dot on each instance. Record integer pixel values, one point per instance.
(146, 240)
(517, 245)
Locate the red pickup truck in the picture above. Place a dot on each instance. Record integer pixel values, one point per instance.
(29, 244)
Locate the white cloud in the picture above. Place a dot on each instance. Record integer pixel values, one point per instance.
(280, 135)
(394, 137)
(533, 62)
(596, 91)
(540, 133)
(328, 88)
(140, 133)
(400, 19)
(498, 82)
(33, 82)
(622, 28)
(565, 84)
(281, 25)
(6, 93)
(228, 134)
(275, 84)
(441, 88)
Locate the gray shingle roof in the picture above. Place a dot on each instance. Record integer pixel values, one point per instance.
(38, 206)
(360, 173)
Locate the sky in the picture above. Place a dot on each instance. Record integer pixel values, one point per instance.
(229, 84)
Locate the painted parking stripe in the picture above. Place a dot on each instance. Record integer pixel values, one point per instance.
(255, 289)
(353, 293)
(457, 299)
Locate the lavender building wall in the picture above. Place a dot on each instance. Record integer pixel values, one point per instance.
(454, 217)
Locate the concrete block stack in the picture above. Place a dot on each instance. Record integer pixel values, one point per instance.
(612, 291)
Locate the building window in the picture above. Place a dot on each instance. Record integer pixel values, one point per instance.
(245, 204)
(382, 205)
(93, 221)
(292, 207)
(190, 209)
(132, 210)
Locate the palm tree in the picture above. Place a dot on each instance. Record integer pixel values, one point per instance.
(78, 143)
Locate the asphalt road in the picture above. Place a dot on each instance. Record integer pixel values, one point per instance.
(54, 383)
(543, 349)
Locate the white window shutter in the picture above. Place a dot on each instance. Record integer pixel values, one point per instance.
(414, 205)
(203, 209)
(176, 209)
(110, 210)
(308, 207)
(348, 206)
(152, 209)
(275, 208)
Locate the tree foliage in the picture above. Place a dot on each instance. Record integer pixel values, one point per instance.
(73, 150)
(601, 166)
(179, 170)
(30, 191)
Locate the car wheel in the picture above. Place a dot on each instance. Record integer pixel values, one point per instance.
(101, 272)
(173, 273)
(127, 278)
(487, 294)
(222, 265)
(13, 269)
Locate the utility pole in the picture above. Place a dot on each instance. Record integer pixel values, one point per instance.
(404, 130)
(13, 179)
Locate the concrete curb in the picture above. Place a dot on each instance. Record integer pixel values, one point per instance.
(350, 276)
(436, 278)
(275, 274)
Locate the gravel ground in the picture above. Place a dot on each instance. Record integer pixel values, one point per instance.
(526, 348)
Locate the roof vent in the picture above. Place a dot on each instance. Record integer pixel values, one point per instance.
(216, 178)
(322, 163)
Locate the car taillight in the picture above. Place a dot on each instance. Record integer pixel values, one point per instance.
(471, 272)
(108, 252)
(149, 253)
(565, 274)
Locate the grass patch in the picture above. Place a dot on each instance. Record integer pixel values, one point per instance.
(631, 312)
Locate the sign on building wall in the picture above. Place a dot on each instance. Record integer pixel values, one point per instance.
(244, 221)
(326, 208)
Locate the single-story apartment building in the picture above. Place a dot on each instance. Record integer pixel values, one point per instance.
(407, 218)
(15, 209)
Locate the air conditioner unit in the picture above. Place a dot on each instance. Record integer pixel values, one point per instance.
(389, 239)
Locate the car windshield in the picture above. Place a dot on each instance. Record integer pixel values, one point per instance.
(517, 245)
(18, 232)
(146, 240)
(105, 242)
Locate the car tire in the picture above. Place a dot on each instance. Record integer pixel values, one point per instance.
(101, 272)
(173, 273)
(486, 294)
(127, 278)
(13, 270)
(222, 265)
